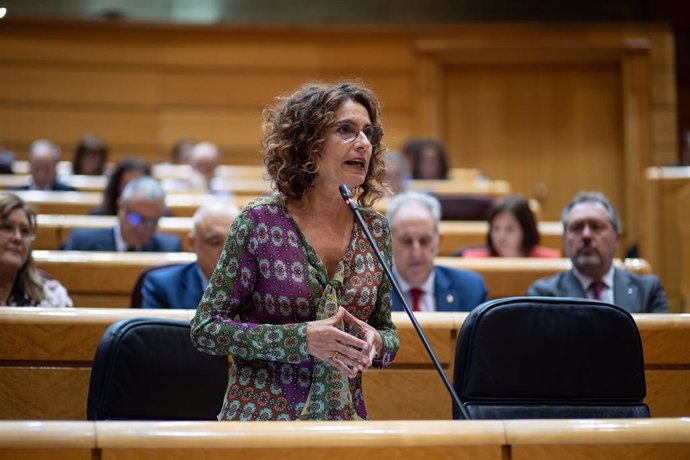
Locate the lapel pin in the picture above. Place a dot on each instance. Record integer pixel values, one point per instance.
(450, 298)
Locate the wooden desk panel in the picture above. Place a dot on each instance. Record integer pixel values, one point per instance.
(45, 356)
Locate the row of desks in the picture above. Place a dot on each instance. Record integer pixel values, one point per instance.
(106, 279)
(46, 357)
(53, 230)
(612, 439)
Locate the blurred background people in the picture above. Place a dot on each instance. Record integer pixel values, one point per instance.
(513, 232)
(428, 158)
(397, 171)
(124, 172)
(21, 283)
(90, 156)
(179, 155)
(44, 156)
(182, 285)
(139, 208)
(591, 232)
(414, 220)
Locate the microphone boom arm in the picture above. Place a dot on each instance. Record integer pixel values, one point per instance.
(347, 196)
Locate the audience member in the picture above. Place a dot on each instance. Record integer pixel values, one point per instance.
(297, 297)
(397, 172)
(204, 158)
(591, 231)
(139, 208)
(43, 159)
(182, 285)
(6, 161)
(125, 171)
(428, 158)
(512, 232)
(21, 283)
(179, 155)
(90, 156)
(414, 219)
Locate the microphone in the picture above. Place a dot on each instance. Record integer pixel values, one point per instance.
(347, 196)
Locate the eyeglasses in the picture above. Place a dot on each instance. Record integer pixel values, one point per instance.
(134, 218)
(348, 131)
(8, 230)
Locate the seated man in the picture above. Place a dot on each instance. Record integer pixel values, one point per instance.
(43, 160)
(414, 219)
(591, 234)
(182, 285)
(139, 207)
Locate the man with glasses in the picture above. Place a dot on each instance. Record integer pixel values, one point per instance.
(182, 285)
(140, 206)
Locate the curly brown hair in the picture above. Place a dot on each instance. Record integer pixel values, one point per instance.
(294, 136)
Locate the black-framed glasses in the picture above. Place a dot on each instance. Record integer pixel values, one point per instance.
(348, 131)
(134, 218)
(8, 230)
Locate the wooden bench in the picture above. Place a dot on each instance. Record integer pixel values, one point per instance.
(53, 229)
(105, 279)
(46, 355)
(613, 439)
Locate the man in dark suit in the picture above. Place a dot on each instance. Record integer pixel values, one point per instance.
(182, 285)
(140, 206)
(414, 219)
(591, 231)
(44, 156)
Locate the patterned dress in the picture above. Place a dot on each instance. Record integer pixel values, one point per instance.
(268, 283)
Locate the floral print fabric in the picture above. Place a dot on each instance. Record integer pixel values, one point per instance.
(268, 283)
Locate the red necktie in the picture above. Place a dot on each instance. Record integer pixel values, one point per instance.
(597, 288)
(416, 294)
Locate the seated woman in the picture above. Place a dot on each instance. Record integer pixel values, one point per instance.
(90, 156)
(428, 158)
(21, 283)
(512, 232)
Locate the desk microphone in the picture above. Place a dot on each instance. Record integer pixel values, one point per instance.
(347, 196)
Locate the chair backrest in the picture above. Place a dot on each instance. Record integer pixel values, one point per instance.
(148, 369)
(464, 207)
(549, 357)
(137, 298)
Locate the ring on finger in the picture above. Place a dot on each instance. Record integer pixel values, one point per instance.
(335, 356)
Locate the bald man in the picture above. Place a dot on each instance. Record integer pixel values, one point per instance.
(182, 285)
(414, 220)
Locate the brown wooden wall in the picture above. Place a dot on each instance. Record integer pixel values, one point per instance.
(552, 110)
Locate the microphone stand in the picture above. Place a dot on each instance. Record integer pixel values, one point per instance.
(347, 196)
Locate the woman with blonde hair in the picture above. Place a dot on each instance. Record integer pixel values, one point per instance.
(21, 283)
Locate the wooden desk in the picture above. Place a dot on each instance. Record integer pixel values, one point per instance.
(55, 228)
(46, 354)
(102, 279)
(180, 205)
(105, 279)
(456, 234)
(613, 439)
(660, 228)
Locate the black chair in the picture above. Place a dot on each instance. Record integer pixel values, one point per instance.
(549, 357)
(147, 369)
